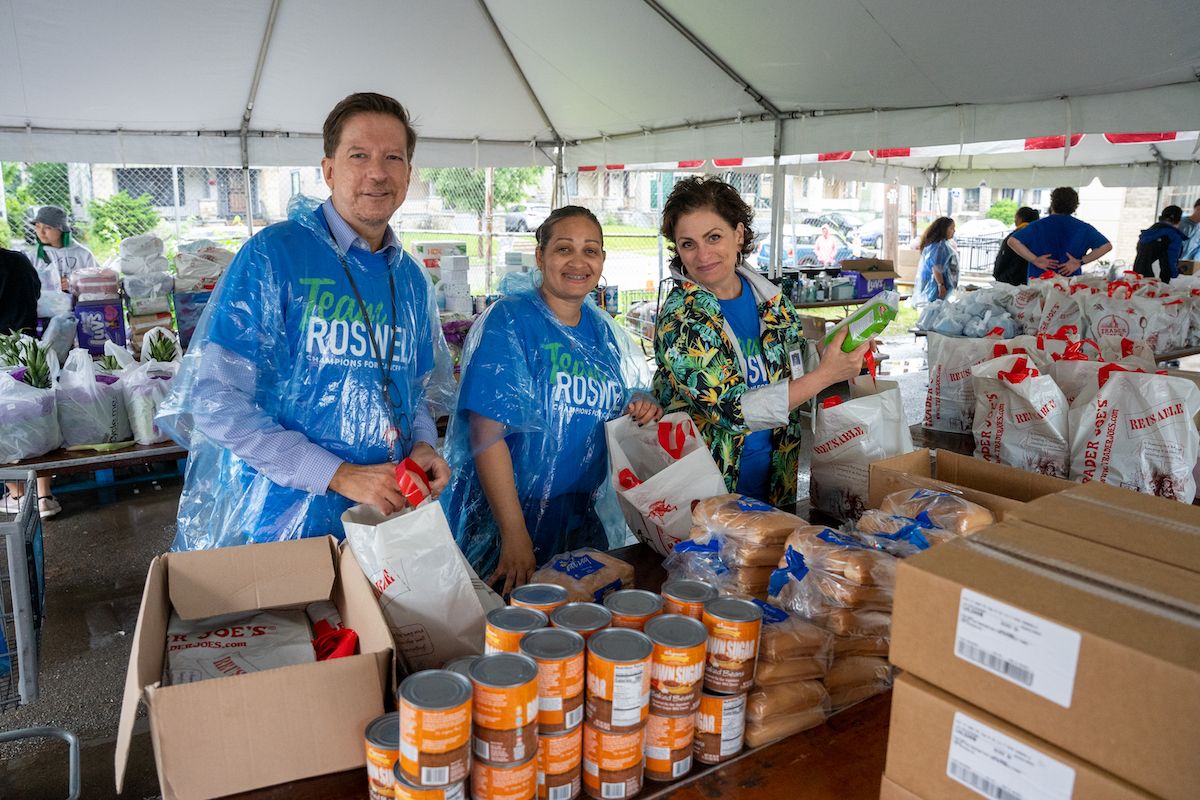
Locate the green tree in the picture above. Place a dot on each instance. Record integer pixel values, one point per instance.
(16, 199)
(49, 184)
(121, 216)
(1003, 210)
(464, 189)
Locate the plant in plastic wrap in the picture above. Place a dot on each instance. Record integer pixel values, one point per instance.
(1137, 430)
(91, 408)
(28, 415)
(1020, 417)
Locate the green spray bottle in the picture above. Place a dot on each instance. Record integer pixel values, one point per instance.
(868, 320)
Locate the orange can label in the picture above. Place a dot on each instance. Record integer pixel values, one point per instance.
(561, 753)
(717, 713)
(496, 640)
(545, 608)
(506, 708)
(611, 752)
(636, 623)
(490, 782)
(732, 651)
(380, 769)
(559, 681)
(431, 732)
(624, 688)
(672, 605)
(665, 735)
(676, 675)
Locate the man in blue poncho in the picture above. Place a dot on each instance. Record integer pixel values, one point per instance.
(313, 367)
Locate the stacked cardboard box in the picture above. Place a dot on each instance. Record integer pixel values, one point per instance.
(1056, 654)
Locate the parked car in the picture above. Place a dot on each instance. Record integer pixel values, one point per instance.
(981, 229)
(799, 244)
(871, 233)
(521, 217)
(838, 221)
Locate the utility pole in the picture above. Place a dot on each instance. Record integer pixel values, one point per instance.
(489, 177)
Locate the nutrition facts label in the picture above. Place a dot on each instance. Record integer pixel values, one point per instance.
(628, 696)
(733, 729)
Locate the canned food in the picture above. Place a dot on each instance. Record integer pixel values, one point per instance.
(612, 763)
(506, 626)
(720, 727)
(545, 597)
(669, 747)
(560, 765)
(559, 656)
(510, 782)
(686, 597)
(677, 665)
(505, 708)
(583, 618)
(461, 665)
(631, 608)
(435, 728)
(618, 679)
(406, 791)
(383, 750)
(734, 627)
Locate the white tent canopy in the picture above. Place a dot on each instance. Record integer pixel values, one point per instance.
(502, 82)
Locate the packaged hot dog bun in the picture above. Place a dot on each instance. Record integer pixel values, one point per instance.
(588, 575)
(805, 668)
(843, 554)
(878, 646)
(744, 519)
(946, 510)
(765, 702)
(853, 622)
(792, 638)
(779, 727)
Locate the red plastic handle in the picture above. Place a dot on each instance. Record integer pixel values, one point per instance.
(673, 437)
(1019, 372)
(413, 482)
(627, 479)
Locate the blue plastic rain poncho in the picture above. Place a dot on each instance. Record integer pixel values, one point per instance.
(551, 387)
(281, 384)
(943, 255)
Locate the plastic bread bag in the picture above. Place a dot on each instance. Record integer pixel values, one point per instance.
(780, 726)
(751, 531)
(588, 575)
(901, 536)
(768, 702)
(91, 408)
(950, 399)
(856, 678)
(808, 588)
(699, 560)
(790, 648)
(1137, 430)
(543, 391)
(282, 371)
(28, 415)
(878, 645)
(145, 387)
(850, 622)
(843, 554)
(1020, 417)
(944, 509)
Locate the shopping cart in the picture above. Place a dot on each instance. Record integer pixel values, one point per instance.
(22, 610)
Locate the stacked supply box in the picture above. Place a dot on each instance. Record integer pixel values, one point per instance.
(871, 276)
(1064, 660)
(455, 284)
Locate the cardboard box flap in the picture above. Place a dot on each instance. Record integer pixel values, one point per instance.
(869, 267)
(1016, 484)
(227, 580)
(890, 790)
(145, 660)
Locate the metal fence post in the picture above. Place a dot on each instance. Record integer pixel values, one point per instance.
(175, 190)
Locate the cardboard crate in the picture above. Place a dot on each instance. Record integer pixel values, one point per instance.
(1187, 267)
(890, 790)
(907, 262)
(998, 488)
(1093, 649)
(217, 737)
(940, 747)
(871, 275)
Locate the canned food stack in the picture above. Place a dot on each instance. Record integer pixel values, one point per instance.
(676, 681)
(734, 626)
(455, 283)
(618, 704)
(505, 730)
(435, 734)
(559, 655)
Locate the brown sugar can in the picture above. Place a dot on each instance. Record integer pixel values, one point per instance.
(583, 618)
(734, 627)
(559, 655)
(506, 626)
(632, 608)
(406, 791)
(545, 597)
(720, 727)
(612, 763)
(677, 664)
(560, 765)
(435, 728)
(686, 597)
(382, 738)
(669, 743)
(508, 782)
(618, 679)
(504, 708)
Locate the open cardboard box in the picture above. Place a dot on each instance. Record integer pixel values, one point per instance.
(225, 735)
(1000, 489)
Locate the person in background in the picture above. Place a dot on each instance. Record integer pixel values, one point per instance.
(729, 346)
(56, 253)
(1162, 242)
(1059, 242)
(1011, 268)
(826, 248)
(937, 271)
(1189, 226)
(542, 373)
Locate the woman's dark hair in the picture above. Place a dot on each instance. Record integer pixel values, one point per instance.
(1026, 214)
(937, 231)
(1064, 200)
(546, 229)
(693, 194)
(1171, 214)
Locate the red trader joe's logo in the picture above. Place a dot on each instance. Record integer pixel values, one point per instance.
(1113, 325)
(660, 508)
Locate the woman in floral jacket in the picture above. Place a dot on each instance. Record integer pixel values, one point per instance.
(729, 347)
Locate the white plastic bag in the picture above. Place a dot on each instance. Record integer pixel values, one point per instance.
(950, 399)
(91, 408)
(201, 649)
(59, 335)
(28, 420)
(1137, 430)
(1132, 353)
(53, 303)
(145, 387)
(1061, 308)
(156, 333)
(657, 471)
(433, 601)
(143, 246)
(1020, 416)
(1025, 305)
(1117, 313)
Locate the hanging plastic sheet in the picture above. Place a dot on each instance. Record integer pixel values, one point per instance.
(546, 389)
(283, 381)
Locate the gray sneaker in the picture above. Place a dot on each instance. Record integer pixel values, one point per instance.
(48, 507)
(10, 505)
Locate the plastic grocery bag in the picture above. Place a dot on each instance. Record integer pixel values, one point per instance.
(950, 398)
(1137, 430)
(1119, 313)
(1025, 305)
(658, 471)
(1137, 352)
(52, 303)
(28, 419)
(59, 335)
(91, 408)
(1020, 416)
(433, 601)
(145, 387)
(1061, 308)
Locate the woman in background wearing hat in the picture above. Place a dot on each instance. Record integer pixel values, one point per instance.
(56, 252)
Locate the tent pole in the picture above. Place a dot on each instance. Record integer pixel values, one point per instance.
(777, 200)
(512, 60)
(244, 132)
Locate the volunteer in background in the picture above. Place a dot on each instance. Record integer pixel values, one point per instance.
(1010, 268)
(1189, 226)
(313, 365)
(1162, 242)
(57, 257)
(826, 248)
(542, 372)
(729, 347)
(937, 272)
(1059, 241)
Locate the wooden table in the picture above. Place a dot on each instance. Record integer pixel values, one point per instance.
(74, 462)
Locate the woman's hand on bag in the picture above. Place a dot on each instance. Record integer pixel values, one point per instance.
(837, 365)
(434, 465)
(373, 484)
(516, 562)
(644, 410)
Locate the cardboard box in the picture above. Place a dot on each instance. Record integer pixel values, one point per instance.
(1090, 648)
(1187, 267)
(1164, 530)
(907, 262)
(890, 790)
(996, 487)
(813, 327)
(234, 734)
(871, 275)
(941, 748)
(100, 321)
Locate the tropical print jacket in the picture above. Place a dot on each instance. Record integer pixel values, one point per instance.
(701, 370)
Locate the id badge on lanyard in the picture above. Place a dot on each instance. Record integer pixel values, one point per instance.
(796, 360)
